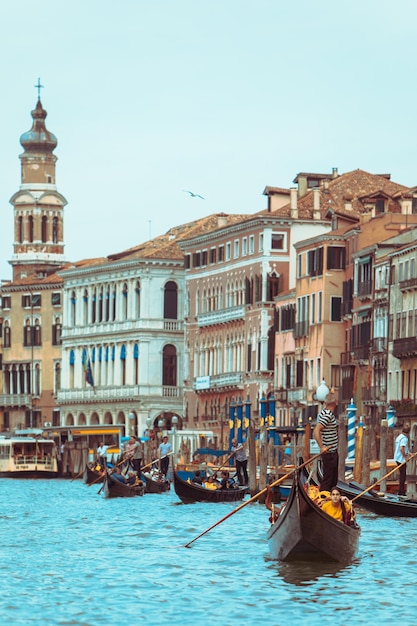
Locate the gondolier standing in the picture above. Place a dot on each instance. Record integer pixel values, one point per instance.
(326, 435)
(401, 453)
(165, 449)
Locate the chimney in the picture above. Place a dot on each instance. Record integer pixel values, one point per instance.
(293, 203)
(316, 203)
(406, 206)
(348, 203)
(335, 173)
(221, 220)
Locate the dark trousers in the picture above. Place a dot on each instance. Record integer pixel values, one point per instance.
(164, 465)
(242, 472)
(330, 465)
(137, 464)
(403, 472)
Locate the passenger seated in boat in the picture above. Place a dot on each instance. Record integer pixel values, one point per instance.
(212, 482)
(117, 475)
(338, 506)
(226, 482)
(197, 478)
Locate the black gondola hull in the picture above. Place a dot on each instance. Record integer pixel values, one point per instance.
(388, 505)
(304, 531)
(115, 489)
(190, 492)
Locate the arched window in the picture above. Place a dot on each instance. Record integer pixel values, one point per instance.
(114, 303)
(37, 333)
(169, 366)
(94, 307)
(20, 229)
(27, 333)
(125, 301)
(123, 363)
(85, 307)
(137, 299)
(57, 382)
(107, 318)
(44, 229)
(7, 335)
(30, 228)
(73, 308)
(100, 305)
(171, 301)
(37, 381)
(55, 229)
(136, 362)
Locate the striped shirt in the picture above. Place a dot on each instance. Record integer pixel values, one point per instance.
(329, 434)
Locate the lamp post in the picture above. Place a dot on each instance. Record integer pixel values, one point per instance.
(391, 416)
(321, 392)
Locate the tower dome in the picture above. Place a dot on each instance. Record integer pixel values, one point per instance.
(38, 138)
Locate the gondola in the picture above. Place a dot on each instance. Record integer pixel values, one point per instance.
(304, 532)
(189, 492)
(153, 485)
(113, 488)
(92, 475)
(385, 504)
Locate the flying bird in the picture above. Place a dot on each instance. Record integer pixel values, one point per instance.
(193, 195)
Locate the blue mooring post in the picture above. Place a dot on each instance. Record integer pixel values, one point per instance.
(232, 412)
(262, 402)
(239, 421)
(247, 418)
(351, 415)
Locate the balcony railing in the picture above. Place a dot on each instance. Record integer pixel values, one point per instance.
(365, 288)
(281, 395)
(379, 344)
(15, 399)
(347, 307)
(405, 347)
(128, 392)
(297, 395)
(410, 283)
(301, 329)
(345, 358)
(374, 395)
(221, 317)
(222, 380)
(361, 353)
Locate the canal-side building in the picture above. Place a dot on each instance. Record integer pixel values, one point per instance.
(233, 274)
(338, 335)
(123, 337)
(31, 301)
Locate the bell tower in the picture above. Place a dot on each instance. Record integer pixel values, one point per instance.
(38, 247)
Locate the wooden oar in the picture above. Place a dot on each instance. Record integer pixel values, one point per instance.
(256, 496)
(155, 461)
(383, 478)
(78, 475)
(105, 470)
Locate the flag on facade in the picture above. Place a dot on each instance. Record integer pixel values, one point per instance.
(88, 372)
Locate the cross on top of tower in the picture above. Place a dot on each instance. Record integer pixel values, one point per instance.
(38, 86)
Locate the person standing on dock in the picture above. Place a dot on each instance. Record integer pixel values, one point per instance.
(401, 453)
(327, 437)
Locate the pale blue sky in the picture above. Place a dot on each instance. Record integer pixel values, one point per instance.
(221, 97)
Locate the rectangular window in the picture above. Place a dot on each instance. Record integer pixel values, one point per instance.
(336, 256)
(336, 309)
(213, 255)
(187, 264)
(320, 307)
(299, 265)
(315, 262)
(196, 259)
(6, 302)
(228, 251)
(251, 244)
(204, 257)
(278, 241)
(221, 254)
(26, 302)
(313, 308)
(261, 242)
(244, 246)
(36, 300)
(56, 296)
(236, 249)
